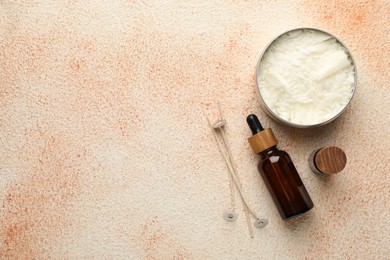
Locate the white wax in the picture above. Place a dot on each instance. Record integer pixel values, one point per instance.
(306, 77)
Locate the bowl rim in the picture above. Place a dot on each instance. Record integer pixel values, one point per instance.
(274, 115)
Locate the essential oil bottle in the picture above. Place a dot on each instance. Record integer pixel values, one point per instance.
(278, 172)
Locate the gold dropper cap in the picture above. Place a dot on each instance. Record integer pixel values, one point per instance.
(262, 139)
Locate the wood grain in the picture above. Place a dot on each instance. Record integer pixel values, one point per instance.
(330, 160)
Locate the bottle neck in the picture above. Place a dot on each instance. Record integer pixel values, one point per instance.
(267, 152)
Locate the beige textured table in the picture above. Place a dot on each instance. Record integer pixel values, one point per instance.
(105, 154)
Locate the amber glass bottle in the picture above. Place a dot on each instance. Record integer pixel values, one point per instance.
(278, 172)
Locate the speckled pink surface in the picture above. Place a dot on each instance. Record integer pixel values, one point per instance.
(104, 152)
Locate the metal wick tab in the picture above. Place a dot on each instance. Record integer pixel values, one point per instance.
(260, 223)
(230, 216)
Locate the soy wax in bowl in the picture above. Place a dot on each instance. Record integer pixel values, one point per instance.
(306, 77)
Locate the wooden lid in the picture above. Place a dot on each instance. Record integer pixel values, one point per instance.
(330, 160)
(262, 140)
